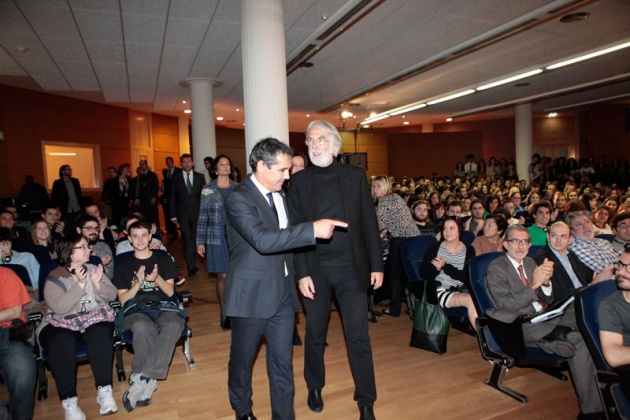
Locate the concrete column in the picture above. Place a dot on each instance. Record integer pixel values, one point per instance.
(524, 128)
(264, 71)
(204, 139)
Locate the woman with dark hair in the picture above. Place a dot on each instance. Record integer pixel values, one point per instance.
(437, 212)
(434, 198)
(394, 218)
(77, 295)
(601, 218)
(211, 235)
(493, 170)
(444, 262)
(492, 240)
(459, 170)
(589, 201)
(481, 168)
(491, 204)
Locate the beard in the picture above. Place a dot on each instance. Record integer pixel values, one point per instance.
(323, 158)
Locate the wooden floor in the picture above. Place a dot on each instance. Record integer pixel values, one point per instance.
(411, 383)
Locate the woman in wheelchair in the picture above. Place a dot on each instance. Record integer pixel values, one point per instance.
(77, 296)
(444, 262)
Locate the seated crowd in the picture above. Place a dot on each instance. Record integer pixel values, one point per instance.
(562, 210)
(75, 273)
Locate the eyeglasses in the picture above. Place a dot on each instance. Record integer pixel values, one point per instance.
(82, 247)
(519, 241)
(623, 226)
(91, 228)
(620, 266)
(321, 140)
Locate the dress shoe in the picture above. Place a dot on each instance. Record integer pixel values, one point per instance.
(248, 416)
(367, 412)
(556, 342)
(314, 401)
(192, 272)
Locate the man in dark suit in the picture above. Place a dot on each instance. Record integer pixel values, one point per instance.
(66, 194)
(517, 286)
(260, 295)
(569, 273)
(183, 201)
(145, 192)
(167, 178)
(347, 264)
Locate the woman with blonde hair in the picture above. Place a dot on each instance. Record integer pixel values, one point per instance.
(394, 218)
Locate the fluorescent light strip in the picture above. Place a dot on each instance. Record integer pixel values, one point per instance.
(62, 154)
(453, 96)
(408, 109)
(588, 56)
(374, 119)
(510, 79)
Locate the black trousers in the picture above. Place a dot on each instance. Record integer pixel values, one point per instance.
(352, 304)
(61, 345)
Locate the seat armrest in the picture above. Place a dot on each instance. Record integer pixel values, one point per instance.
(509, 336)
(35, 318)
(183, 295)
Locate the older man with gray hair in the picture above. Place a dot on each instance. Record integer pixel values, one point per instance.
(598, 254)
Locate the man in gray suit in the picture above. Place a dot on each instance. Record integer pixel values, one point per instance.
(260, 296)
(184, 200)
(517, 287)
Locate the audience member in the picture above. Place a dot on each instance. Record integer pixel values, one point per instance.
(66, 194)
(146, 287)
(601, 216)
(621, 227)
(121, 201)
(17, 364)
(25, 259)
(598, 254)
(145, 192)
(51, 217)
(110, 190)
(168, 175)
(541, 212)
(394, 217)
(89, 228)
(444, 262)
(78, 296)
(492, 239)
(569, 273)
(476, 221)
(33, 198)
(517, 286)
(19, 235)
(420, 214)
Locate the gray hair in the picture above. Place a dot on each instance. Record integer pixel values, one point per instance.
(328, 128)
(267, 150)
(574, 215)
(518, 228)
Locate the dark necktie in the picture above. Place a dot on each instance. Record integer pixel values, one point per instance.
(273, 205)
(188, 184)
(522, 274)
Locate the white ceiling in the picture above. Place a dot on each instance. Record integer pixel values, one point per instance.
(134, 53)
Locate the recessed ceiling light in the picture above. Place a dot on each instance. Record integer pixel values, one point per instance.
(238, 109)
(183, 102)
(308, 115)
(574, 17)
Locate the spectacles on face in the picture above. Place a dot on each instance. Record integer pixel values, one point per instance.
(321, 140)
(623, 226)
(91, 228)
(82, 247)
(516, 242)
(619, 266)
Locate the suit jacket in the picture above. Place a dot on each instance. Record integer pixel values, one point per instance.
(59, 194)
(168, 180)
(365, 243)
(148, 187)
(510, 297)
(181, 204)
(259, 250)
(562, 284)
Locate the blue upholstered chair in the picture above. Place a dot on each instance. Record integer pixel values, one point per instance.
(614, 401)
(503, 344)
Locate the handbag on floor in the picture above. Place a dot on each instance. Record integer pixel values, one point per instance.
(430, 326)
